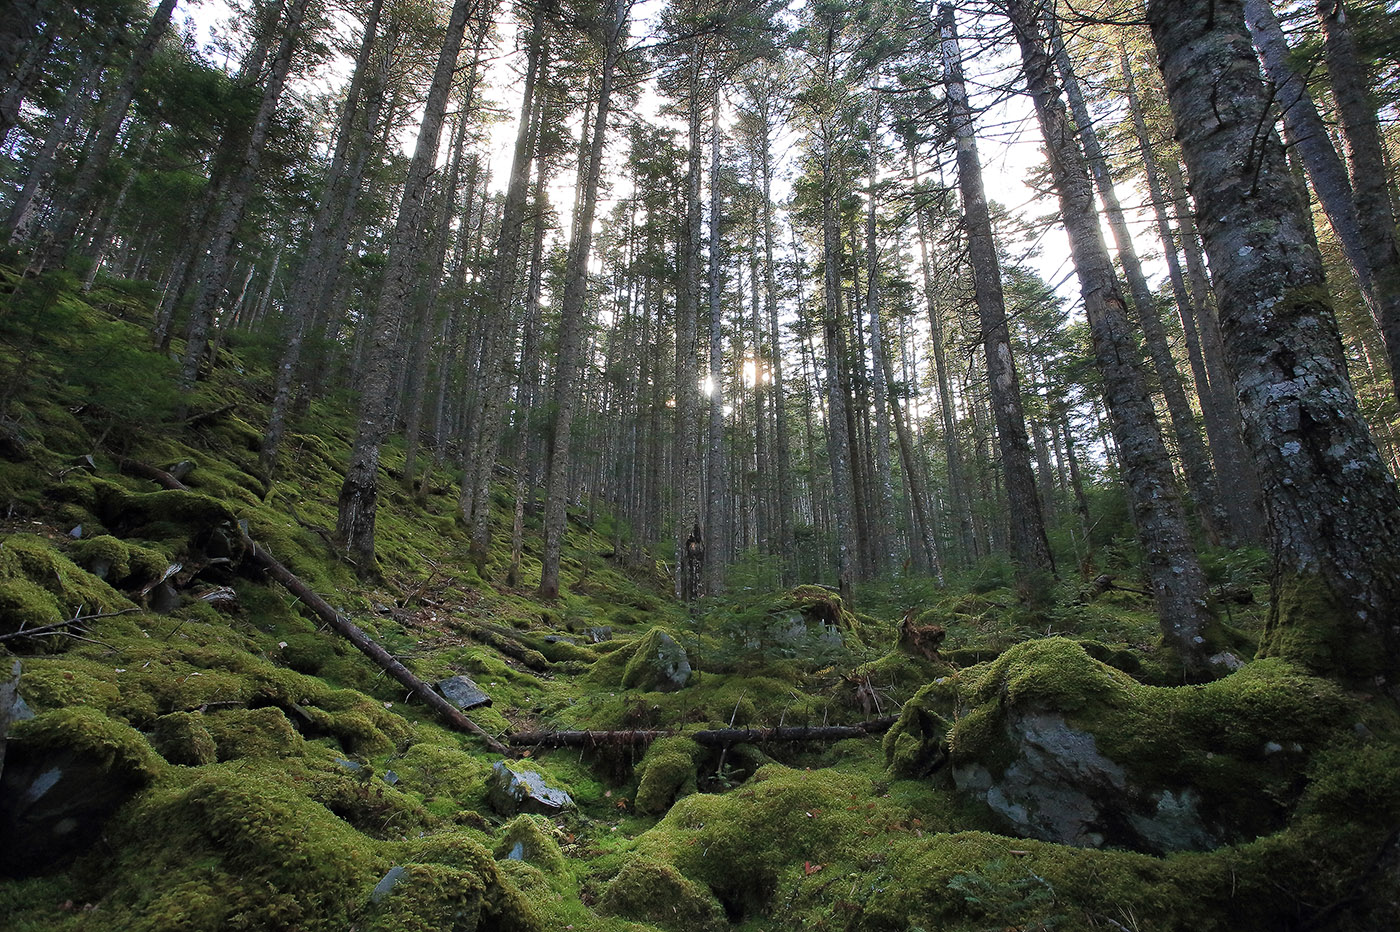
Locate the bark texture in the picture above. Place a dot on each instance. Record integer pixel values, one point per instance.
(1178, 583)
(1333, 509)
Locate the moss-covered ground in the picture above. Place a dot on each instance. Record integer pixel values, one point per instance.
(266, 775)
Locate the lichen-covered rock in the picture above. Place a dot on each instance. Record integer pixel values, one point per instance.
(658, 663)
(1065, 748)
(665, 774)
(462, 692)
(513, 791)
(653, 891)
(66, 772)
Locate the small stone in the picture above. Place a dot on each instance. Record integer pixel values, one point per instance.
(463, 693)
(386, 884)
(391, 778)
(600, 634)
(348, 764)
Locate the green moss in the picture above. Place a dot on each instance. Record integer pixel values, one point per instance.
(32, 564)
(181, 738)
(104, 556)
(450, 882)
(527, 838)
(666, 773)
(262, 732)
(1309, 625)
(654, 891)
(24, 604)
(115, 747)
(657, 646)
(232, 847)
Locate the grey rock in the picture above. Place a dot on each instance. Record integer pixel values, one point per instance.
(510, 792)
(463, 693)
(1059, 787)
(669, 667)
(386, 884)
(391, 778)
(600, 634)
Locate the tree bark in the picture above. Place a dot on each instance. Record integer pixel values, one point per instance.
(1334, 511)
(1375, 213)
(60, 240)
(573, 310)
(1030, 547)
(1195, 462)
(1178, 583)
(359, 494)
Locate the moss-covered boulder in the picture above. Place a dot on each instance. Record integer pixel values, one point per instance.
(181, 738)
(1066, 748)
(666, 773)
(452, 884)
(654, 891)
(657, 663)
(66, 772)
(525, 839)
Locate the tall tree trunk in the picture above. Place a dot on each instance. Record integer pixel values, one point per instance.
(359, 494)
(1030, 547)
(573, 311)
(353, 140)
(884, 484)
(500, 295)
(1194, 459)
(45, 163)
(1213, 388)
(715, 527)
(1334, 511)
(960, 499)
(689, 536)
(1175, 574)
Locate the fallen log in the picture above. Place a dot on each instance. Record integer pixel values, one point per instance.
(338, 622)
(355, 635)
(504, 641)
(714, 737)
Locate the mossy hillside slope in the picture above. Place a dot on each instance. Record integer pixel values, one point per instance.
(272, 778)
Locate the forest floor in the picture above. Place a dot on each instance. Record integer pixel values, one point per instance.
(203, 753)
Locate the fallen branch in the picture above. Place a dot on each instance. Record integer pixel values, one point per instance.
(342, 625)
(58, 627)
(714, 738)
(355, 635)
(504, 641)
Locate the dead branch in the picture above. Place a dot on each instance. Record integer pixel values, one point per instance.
(342, 625)
(355, 635)
(59, 627)
(714, 738)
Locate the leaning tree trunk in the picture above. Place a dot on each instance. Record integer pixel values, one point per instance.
(343, 177)
(1175, 574)
(1029, 546)
(235, 198)
(359, 494)
(1195, 460)
(1351, 89)
(1334, 511)
(1309, 136)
